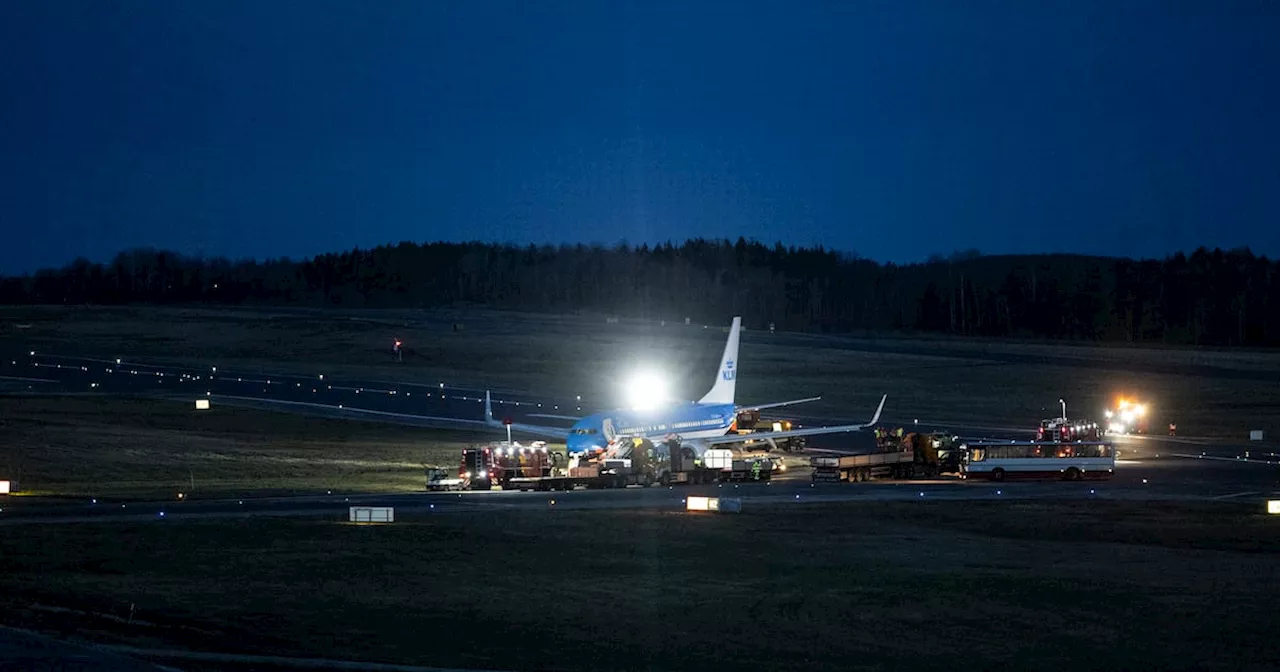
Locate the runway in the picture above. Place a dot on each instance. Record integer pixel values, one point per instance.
(1150, 467)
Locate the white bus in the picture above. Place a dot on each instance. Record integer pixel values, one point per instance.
(1039, 460)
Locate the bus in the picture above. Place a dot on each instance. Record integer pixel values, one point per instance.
(1039, 460)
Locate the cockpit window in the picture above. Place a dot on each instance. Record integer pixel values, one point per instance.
(586, 430)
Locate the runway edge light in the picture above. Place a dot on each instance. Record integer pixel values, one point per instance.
(1273, 507)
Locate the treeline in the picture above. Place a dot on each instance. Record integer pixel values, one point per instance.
(1207, 298)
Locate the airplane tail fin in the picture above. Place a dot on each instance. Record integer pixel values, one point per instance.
(722, 392)
(488, 411)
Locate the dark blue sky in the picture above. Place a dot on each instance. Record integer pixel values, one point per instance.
(893, 129)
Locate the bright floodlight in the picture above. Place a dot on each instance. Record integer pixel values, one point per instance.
(646, 390)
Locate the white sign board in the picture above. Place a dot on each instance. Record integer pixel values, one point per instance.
(1255, 435)
(372, 514)
(202, 404)
(4, 487)
(1273, 507)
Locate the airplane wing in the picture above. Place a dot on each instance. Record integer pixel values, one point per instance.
(558, 433)
(432, 421)
(553, 416)
(810, 431)
(776, 404)
(346, 411)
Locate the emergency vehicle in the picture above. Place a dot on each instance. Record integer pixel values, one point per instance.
(1127, 417)
(1062, 429)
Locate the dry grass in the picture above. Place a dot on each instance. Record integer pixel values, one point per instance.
(873, 586)
(123, 447)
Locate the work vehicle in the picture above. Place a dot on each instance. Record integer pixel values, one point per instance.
(1031, 460)
(1127, 417)
(440, 479)
(915, 455)
(645, 463)
(1062, 429)
(484, 467)
(758, 431)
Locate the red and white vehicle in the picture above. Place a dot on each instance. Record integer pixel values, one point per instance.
(483, 467)
(1037, 460)
(1062, 429)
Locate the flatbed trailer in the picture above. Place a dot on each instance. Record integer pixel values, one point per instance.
(914, 455)
(848, 468)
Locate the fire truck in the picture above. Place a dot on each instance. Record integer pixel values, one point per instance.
(1062, 429)
(484, 467)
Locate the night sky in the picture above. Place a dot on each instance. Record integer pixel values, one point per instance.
(891, 129)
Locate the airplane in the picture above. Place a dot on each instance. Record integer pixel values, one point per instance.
(700, 425)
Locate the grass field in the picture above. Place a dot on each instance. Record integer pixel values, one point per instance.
(1206, 392)
(1072, 585)
(123, 447)
(1064, 586)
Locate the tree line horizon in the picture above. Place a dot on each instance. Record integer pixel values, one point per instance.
(1208, 297)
